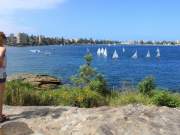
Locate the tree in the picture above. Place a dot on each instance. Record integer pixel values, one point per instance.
(86, 72)
(88, 77)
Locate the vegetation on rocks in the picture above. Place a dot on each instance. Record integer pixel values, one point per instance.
(89, 89)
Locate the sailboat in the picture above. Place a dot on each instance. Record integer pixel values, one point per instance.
(87, 50)
(148, 54)
(135, 55)
(115, 55)
(157, 50)
(123, 50)
(99, 52)
(158, 53)
(102, 51)
(35, 51)
(105, 52)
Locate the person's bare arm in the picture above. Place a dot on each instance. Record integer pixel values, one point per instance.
(2, 54)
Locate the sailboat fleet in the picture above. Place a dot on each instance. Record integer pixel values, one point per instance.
(103, 52)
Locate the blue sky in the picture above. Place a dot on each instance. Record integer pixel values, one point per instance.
(99, 19)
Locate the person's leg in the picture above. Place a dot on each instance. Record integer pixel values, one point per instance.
(2, 89)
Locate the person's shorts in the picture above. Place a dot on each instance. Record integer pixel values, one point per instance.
(2, 80)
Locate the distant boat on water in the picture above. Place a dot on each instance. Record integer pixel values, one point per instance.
(148, 54)
(158, 53)
(135, 55)
(123, 50)
(102, 51)
(157, 50)
(115, 55)
(87, 50)
(99, 52)
(105, 52)
(35, 51)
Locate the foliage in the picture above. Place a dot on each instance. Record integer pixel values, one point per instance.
(19, 93)
(86, 73)
(80, 98)
(163, 98)
(128, 97)
(88, 77)
(146, 86)
(99, 85)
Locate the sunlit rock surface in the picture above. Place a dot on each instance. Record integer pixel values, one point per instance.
(127, 120)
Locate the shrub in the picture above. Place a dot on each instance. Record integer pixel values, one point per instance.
(163, 98)
(129, 97)
(19, 93)
(146, 86)
(80, 98)
(99, 85)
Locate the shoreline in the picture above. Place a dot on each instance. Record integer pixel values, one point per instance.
(94, 45)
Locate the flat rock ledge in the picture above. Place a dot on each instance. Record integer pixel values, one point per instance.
(126, 120)
(38, 80)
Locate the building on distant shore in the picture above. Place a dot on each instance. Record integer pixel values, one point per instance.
(22, 38)
(178, 42)
(11, 39)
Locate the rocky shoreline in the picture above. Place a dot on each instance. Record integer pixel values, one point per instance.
(126, 120)
(38, 80)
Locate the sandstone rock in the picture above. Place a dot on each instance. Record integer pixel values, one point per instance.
(41, 81)
(127, 120)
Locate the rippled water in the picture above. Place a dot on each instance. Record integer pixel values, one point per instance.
(64, 61)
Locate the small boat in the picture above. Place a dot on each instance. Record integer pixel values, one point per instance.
(135, 55)
(102, 51)
(123, 50)
(115, 55)
(35, 51)
(105, 52)
(87, 50)
(157, 50)
(148, 54)
(99, 52)
(158, 53)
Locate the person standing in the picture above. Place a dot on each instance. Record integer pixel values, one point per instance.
(3, 75)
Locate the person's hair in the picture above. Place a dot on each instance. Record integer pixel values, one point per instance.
(2, 37)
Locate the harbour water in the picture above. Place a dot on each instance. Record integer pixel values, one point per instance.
(64, 61)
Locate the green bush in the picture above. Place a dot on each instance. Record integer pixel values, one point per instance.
(163, 98)
(99, 85)
(146, 86)
(128, 97)
(80, 98)
(19, 93)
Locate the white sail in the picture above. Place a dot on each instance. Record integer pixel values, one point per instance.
(99, 51)
(105, 52)
(115, 55)
(123, 50)
(148, 54)
(158, 53)
(157, 50)
(102, 51)
(135, 55)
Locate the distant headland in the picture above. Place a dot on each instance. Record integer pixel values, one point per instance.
(23, 39)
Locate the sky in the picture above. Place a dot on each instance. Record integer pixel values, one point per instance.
(98, 19)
